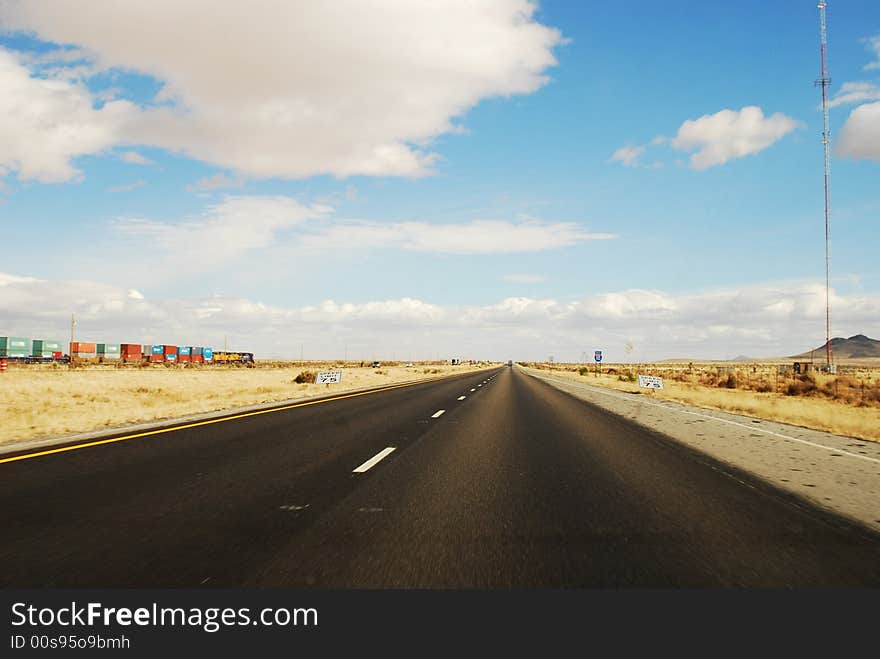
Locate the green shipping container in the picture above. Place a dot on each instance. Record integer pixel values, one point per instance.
(108, 349)
(44, 348)
(13, 346)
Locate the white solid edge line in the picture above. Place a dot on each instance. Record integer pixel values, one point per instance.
(735, 423)
(372, 462)
(462, 397)
(437, 413)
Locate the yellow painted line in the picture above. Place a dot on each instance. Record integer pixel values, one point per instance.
(208, 422)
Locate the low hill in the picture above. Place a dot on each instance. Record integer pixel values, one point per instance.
(855, 347)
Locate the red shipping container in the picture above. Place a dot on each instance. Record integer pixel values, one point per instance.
(157, 358)
(183, 359)
(80, 347)
(169, 350)
(56, 355)
(130, 349)
(197, 359)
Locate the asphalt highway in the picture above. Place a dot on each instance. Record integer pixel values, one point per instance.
(485, 480)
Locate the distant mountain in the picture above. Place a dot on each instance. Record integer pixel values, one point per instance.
(855, 347)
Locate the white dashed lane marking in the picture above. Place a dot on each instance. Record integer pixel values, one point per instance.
(437, 413)
(462, 397)
(372, 462)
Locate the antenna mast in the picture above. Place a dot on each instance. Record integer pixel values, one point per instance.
(823, 82)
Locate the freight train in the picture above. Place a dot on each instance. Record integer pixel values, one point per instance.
(16, 349)
(246, 358)
(28, 351)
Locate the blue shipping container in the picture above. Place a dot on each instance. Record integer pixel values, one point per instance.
(171, 357)
(157, 350)
(208, 353)
(183, 350)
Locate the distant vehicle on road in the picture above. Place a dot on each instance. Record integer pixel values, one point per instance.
(509, 362)
(409, 365)
(376, 365)
(456, 361)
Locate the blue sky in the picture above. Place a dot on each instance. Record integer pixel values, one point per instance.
(452, 179)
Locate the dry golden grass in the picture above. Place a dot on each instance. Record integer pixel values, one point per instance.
(44, 402)
(844, 415)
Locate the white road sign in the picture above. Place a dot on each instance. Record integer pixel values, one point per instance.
(650, 382)
(328, 377)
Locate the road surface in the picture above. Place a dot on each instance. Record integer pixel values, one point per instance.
(487, 480)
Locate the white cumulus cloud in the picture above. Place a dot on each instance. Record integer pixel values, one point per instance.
(135, 158)
(874, 46)
(476, 237)
(855, 92)
(763, 320)
(628, 155)
(729, 134)
(46, 123)
(234, 226)
(860, 135)
(239, 227)
(6, 279)
(277, 89)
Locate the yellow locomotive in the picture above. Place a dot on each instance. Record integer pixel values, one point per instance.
(246, 358)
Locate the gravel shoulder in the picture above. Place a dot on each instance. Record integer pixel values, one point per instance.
(841, 474)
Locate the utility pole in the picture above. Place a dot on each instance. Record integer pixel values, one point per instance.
(72, 325)
(823, 82)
